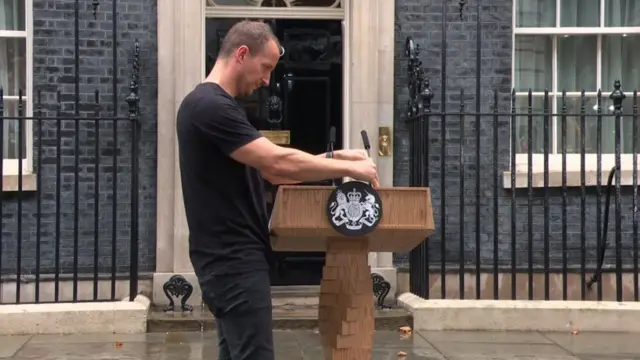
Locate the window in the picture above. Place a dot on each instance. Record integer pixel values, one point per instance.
(15, 76)
(276, 3)
(575, 45)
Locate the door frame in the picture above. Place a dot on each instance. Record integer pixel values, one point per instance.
(369, 29)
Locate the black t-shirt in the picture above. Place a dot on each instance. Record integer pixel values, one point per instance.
(224, 199)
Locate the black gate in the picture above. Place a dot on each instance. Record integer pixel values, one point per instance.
(69, 180)
(496, 225)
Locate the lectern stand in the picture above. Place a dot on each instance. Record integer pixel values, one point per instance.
(309, 218)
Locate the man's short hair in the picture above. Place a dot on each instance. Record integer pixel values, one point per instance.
(253, 34)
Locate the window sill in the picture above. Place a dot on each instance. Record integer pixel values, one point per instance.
(10, 183)
(573, 178)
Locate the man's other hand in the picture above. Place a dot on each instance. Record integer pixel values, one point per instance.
(365, 170)
(351, 154)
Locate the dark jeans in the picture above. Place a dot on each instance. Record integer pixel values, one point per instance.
(241, 304)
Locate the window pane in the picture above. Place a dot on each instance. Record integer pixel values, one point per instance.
(579, 13)
(12, 14)
(533, 62)
(591, 126)
(620, 60)
(577, 63)
(276, 3)
(626, 138)
(522, 123)
(621, 13)
(11, 130)
(573, 111)
(13, 61)
(536, 13)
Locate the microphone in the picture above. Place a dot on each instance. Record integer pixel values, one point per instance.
(330, 146)
(365, 141)
(332, 141)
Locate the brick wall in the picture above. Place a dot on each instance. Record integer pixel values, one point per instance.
(423, 21)
(53, 69)
(53, 51)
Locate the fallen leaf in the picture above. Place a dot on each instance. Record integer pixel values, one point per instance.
(402, 354)
(118, 344)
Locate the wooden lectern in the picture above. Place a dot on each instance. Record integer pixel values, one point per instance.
(300, 221)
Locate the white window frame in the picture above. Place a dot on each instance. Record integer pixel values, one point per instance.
(573, 160)
(10, 167)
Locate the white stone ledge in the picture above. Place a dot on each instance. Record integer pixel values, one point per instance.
(118, 317)
(521, 315)
(10, 183)
(574, 178)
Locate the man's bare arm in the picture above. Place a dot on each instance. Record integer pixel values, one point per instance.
(274, 180)
(290, 164)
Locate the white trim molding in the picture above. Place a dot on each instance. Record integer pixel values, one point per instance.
(10, 167)
(248, 12)
(368, 27)
(573, 170)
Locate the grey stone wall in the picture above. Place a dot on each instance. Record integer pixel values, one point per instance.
(423, 21)
(53, 49)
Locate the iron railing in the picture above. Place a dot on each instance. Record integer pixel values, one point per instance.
(471, 233)
(69, 209)
(68, 149)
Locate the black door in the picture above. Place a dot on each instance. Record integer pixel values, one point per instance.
(305, 97)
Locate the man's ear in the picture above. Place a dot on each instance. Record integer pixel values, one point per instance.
(241, 53)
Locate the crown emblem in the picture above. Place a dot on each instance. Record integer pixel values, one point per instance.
(353, 195)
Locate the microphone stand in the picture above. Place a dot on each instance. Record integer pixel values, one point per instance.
(330, 145)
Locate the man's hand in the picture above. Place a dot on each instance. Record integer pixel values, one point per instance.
(351, 154)
(366, 170)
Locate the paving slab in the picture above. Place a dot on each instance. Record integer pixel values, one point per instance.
(610, 357)
(98, 338)
(305, 345)
(10, 344)
(454, 350)
(593, 344)
(510, 337)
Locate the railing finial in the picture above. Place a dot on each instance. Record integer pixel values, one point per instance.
(462, 4)
(95, 4)
(617, 96)
(420, 93)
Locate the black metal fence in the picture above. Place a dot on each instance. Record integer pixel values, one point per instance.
(69, 208)
(558, 228)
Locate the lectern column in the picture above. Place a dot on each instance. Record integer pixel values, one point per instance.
(345, 316)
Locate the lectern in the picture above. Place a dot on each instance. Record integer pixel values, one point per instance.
(348, 222)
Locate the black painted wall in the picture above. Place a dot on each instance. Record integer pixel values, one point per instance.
(53, 49)
(423, 21)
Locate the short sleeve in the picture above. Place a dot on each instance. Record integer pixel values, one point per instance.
(224, 123)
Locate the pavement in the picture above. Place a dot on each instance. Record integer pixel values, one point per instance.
(304, 344)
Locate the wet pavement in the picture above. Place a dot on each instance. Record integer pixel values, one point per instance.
(304, 344)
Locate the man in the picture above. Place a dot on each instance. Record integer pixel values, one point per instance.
(223, 161)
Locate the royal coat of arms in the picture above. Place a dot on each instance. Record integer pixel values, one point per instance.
(354, 208)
